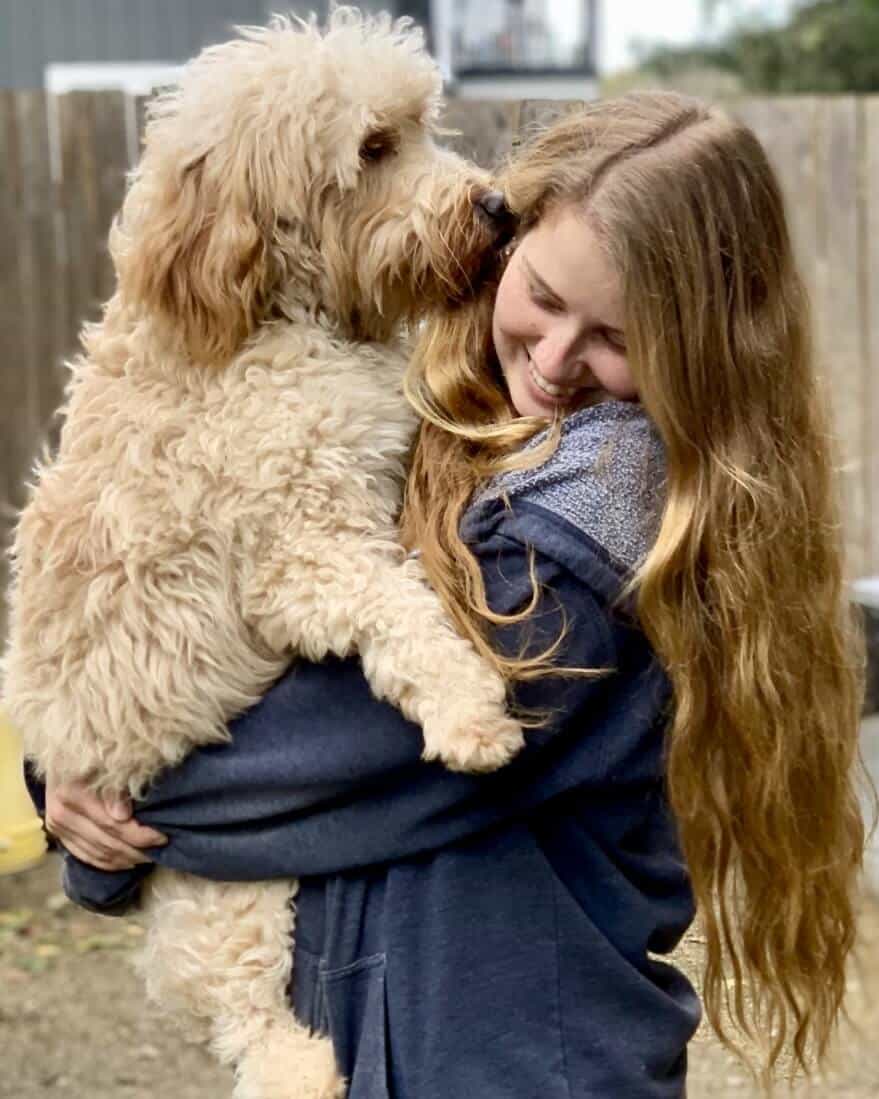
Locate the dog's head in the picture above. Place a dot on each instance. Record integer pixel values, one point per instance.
(293, 172)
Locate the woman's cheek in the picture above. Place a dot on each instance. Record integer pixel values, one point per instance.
(611, 370)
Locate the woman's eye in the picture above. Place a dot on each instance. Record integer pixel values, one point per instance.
(612, 337)
(544, 302)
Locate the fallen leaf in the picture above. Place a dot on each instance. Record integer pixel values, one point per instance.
(98, 942)
(15, 919)
(32, 964)
(57, 902)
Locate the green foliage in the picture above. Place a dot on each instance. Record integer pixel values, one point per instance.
(828, 46)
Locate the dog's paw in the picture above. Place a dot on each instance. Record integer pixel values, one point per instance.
(331, 1087)
(289, 1064)
(472, 742)
(320, 1081)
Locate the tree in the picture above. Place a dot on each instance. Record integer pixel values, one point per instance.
(827, 46)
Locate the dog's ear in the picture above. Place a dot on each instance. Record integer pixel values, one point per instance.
(199, 252)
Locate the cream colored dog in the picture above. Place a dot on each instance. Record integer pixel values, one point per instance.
(230, 471)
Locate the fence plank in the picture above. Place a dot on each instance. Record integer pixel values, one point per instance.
(537, 114)
(25, 327)
(140, 120)
(38, 260)
(80, 196)
(814, 147)
(786, 127)
(16, 431)
(869, 201)
(487, 129)
(13, 372)
(10, 334)
(838, 312)
(62, 324)
(111, 139)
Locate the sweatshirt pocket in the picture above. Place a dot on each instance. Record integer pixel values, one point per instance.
(356, 1012)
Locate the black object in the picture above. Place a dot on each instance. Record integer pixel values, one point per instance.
(493, 208)
(493, 203)
(871, 632)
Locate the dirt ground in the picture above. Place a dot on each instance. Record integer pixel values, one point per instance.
(73, 1022)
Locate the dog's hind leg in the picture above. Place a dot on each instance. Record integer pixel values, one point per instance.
(219, 955)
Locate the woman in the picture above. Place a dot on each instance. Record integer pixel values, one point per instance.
(496, 936)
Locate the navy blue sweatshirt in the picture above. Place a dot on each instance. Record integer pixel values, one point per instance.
(492, 936)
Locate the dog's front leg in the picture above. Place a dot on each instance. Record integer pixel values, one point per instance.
(413, 656)
(364, 595)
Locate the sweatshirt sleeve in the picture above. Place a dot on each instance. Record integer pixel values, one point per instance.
(321, 777)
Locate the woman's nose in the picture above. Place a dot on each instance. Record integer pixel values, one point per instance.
(554, 356)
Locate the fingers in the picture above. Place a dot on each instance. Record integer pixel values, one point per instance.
(122, 824)
(99, 831)
(105, 858)
(90, 842)
(119, 808)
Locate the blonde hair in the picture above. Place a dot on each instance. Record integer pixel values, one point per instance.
(742, 595)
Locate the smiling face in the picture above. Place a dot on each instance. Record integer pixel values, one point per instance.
(558, 320)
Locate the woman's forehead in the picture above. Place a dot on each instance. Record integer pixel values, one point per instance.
(564, 254)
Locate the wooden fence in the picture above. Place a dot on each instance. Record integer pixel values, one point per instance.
(62, 175)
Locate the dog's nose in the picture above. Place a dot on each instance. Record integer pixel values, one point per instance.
(494, 204)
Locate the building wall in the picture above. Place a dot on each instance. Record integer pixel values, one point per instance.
(36, 32)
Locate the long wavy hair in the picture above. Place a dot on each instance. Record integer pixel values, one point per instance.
(742, 595)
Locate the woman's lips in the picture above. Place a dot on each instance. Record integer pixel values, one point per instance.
(555, 393)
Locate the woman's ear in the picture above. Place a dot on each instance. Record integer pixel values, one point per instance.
(193, 246)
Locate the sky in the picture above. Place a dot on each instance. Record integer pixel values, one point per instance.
(672, 21)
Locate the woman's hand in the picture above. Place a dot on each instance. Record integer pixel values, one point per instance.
(98, 830)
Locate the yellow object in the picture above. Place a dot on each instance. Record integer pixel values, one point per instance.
(22, 843)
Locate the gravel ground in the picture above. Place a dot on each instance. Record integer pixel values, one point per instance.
(73, 1022)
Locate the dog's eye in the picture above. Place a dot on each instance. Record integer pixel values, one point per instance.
(377, 146)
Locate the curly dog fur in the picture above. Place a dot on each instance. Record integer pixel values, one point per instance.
(229, 477)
